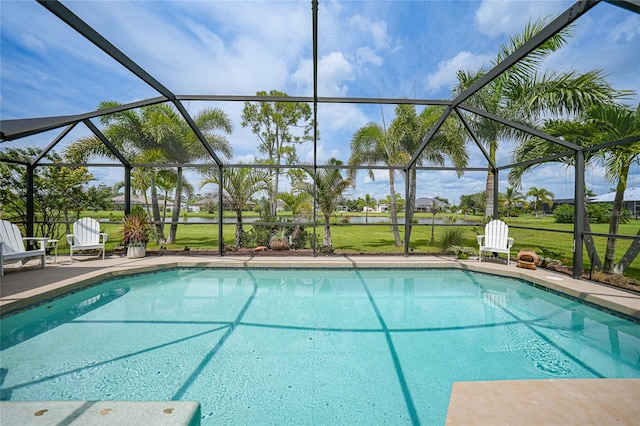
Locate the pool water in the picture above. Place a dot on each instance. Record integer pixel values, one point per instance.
(306, 346)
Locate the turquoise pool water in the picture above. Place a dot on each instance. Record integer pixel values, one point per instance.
(306, 346)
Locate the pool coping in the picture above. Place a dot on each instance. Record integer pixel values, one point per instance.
(24, 287)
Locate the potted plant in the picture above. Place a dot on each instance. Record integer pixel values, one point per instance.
(135, 232)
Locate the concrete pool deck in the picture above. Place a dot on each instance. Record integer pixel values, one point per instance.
(505, 403)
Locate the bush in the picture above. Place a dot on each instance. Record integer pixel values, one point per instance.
(452, 237)
(598, 213)
(261, 235)
(564, 213)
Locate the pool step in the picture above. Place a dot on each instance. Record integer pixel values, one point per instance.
(100, 413)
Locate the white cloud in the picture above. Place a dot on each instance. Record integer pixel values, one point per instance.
(322, 154)
(374, 29)
(33, 42)
(333, 70)
(367, 55)
(445, 76)
(495, 17)
(626, 30)
(245, 159)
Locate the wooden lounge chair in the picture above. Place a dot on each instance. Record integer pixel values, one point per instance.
(86, 236)
(12, 246)
(496, 239)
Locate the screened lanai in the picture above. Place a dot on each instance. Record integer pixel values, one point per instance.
(347, 63)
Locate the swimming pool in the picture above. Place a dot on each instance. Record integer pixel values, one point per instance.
(320, 346)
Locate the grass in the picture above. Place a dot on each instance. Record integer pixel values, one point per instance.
(371, 239)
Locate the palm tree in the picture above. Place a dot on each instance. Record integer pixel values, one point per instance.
(366, 203)
(183, 147)
(372, 145)
(300, 203)
(137, 134)
(599, 124)
(541, 196)
(510, 198)
(410, 129)
(328, 185)
(238, 186)
(613, 123)
(524, 94)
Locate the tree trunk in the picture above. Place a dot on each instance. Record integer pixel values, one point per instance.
(614, 222)
(239, 230)
(273, 194)
(411, 202)
(488, 209)
(394, 208)
(146, 202)
(326, 238)
(433, 228)
(175, 217)
(588, 240)
(156, 211)
(629, 256)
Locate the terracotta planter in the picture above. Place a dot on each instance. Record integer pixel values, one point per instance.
(136, 252)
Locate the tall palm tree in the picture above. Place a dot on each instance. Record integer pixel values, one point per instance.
(239, 185)
(410, 129)
(541, 196)
(328, 185)
(372, 145)
(137, 134)
(599, 124)
(510, 198)
(616, 122)
(183, 146)
(524, 94)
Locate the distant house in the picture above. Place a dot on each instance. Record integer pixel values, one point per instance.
(631, 200)
(118, 202)
(426, 204)
(382, 208)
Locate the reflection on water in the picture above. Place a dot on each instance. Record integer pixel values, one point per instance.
(14, 334)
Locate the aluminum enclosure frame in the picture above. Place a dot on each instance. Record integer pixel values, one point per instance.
(17, 129)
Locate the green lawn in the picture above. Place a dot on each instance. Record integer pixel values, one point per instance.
(379, 238)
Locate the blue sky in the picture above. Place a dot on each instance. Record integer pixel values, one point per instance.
(366, 49)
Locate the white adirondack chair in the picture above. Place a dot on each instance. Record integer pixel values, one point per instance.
(86, 236)
(496, 239)
(12, 246)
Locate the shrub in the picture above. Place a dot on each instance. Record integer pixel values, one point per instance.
(598, 213)
(461, 252)
(564, 213)
(452, 237)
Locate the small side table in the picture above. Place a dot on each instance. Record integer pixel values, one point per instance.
(53, 244)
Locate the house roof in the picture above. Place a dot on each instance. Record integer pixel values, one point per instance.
(428, 202)
(135, 199)
(630, 194)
